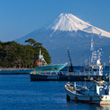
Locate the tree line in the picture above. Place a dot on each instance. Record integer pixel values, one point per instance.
(13, 54)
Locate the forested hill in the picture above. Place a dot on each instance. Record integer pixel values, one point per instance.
(16, 55)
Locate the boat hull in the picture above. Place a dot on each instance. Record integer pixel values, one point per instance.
(101, 100)
(40, 77)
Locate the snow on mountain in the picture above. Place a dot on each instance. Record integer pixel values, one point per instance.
(69, 22)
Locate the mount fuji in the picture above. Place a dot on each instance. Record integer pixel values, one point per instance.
(68, 31)
(69, 22)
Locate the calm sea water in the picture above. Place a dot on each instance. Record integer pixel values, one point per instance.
(17, 92)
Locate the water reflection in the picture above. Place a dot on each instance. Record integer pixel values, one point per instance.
(85, 106)
(105, 107)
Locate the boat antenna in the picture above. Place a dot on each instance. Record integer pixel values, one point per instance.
(71, 66)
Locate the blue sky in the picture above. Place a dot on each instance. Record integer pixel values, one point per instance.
(20, 17)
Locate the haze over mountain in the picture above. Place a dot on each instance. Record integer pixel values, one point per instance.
(68, 31)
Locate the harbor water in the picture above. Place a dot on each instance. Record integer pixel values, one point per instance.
(17, 92)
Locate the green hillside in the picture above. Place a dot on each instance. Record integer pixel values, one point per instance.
(13, 54)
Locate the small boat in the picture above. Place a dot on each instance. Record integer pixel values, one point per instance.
(98, 93)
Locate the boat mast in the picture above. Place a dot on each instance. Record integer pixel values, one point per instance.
(109, 75)
(39, 56)
(41, 59)
(92, 44)
(92, 50)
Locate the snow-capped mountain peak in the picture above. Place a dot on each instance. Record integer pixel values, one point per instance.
(69, 22)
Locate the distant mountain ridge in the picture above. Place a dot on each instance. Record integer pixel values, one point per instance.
(68, 31)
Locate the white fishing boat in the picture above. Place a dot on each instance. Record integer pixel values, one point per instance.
(95, 60)
(90, 71)
(98, 93)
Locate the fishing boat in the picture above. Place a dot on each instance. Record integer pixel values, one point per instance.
(97, 93)
(93, 70)
(45, 72)
(95, 60)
